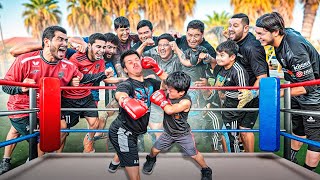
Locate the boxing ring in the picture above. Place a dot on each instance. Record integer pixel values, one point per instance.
(241, 166)
(247, 166)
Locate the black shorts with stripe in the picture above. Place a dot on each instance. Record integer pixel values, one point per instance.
(125, 143)
(303, 125)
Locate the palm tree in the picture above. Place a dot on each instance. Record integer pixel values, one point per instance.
(1, 33)
(168, 14)
(127, 8)
(310, 12)
(285, 8)
(216, 24)
(40, 14)
(253, 8)
(165, 14)
(87, 17)
(217, 20)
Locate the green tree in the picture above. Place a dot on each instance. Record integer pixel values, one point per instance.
(285, 8)
(40, 14)
(1, 33)
(127, 8)
(217, 19)
(88, 16)
(253, 8)
(168, 14)
(164, 14)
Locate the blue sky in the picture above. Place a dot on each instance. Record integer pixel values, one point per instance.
(12, 21)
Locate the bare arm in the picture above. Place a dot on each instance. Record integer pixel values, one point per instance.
(295, 91)
(78, 43)
(120, 71)
(163, 76)
(256, 84)
(180, 54)
(183, 106)
(114, 80)
(148, 42)
(77, 40)
(120, 96)
(25, 48)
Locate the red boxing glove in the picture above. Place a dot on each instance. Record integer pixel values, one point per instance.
(135, 108)
(159, 99)
(150, 63)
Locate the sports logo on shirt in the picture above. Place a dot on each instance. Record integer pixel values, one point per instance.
(177, 116)
(64, 66)
(298, 67)
(35, 71)
(144, 94)
(97, 66)
(60, 74)
(311, 120)
(35, 63)
(299, 74)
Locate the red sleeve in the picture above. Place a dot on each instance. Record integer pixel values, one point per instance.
(15, 73)
(103, 66)
(77, 73)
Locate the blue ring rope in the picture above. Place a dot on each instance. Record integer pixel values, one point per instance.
(307, 141)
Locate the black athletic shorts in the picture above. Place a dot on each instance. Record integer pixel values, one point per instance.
(250, 118)
(303, 125)
(72, 117)
(229, 116)
(125, 143)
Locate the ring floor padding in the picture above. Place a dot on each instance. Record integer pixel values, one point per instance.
(242, 166)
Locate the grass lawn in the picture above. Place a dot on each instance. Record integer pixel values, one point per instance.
(74, 141)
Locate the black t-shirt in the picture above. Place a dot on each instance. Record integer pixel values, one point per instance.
(141, 91)
(138, 44)
(300, 62)
(234, 76)
(176, 124)
(252, 57)
(198, 71)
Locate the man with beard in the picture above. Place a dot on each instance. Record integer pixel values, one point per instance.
(127, 40)
(90, 62)
(194, 43)
(30, 68)
(112, 43)
(300, 62)
(252, 57)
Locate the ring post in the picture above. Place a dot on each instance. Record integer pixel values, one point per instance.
(33, 152)
(269, 113)
(287, 124)
(50, 106)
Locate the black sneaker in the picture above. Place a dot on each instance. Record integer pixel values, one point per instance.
(206, 173)
(4, 166)
(149, 164)
(113, 168)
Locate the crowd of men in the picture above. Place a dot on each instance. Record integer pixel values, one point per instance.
(240, 61)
